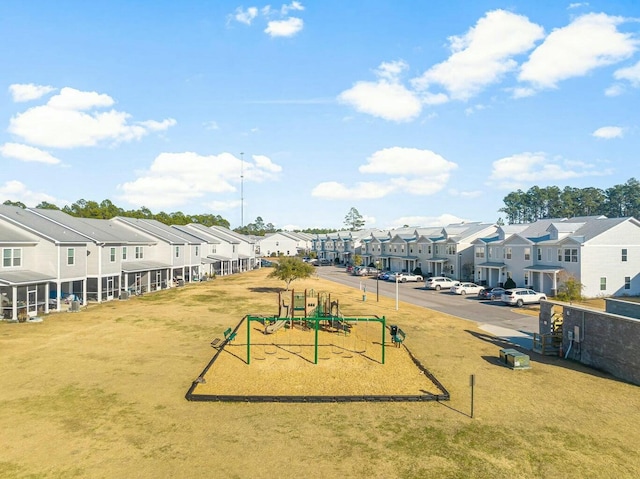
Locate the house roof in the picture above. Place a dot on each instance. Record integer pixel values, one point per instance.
(41, 226)
(10, 235)
(138, 266)
(97, 230)
(200, 232)
(17, 278)
(159, 230)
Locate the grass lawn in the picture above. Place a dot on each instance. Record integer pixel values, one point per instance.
(100, 393)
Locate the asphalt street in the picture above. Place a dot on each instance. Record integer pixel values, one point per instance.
(492, 316)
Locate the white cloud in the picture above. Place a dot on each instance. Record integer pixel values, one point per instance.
(72, 99)
(285, 9)
(64, 122)
(616, 89)
(577, 5)
(27, 153)
(409, 170)
(333, 190)
(526, 168)
(407, 161)
(631, 74)
(224, 205)
(523, 92)
(28, 91)
(163, 125)
(609, 132)
(265, 163)
(15, 190)
(246, 16)
(483, 55)
(176, 178)
(391, 101)
(589, 42)
(442, 220)
(284, 28)
(211, 125)
(387, 98)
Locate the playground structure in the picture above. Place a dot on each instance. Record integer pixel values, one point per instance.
(316, 312)
(311, 352)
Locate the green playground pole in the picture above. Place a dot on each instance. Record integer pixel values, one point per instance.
(248, 339)
(315, 360)
(383, 328)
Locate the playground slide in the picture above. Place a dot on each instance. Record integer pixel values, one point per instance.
(272, 328)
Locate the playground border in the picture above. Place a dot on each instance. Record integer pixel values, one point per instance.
(191, 396)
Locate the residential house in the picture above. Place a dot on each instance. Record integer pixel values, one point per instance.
(43, 263)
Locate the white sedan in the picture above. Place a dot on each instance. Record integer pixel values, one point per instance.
(466, 288)
(404, 277)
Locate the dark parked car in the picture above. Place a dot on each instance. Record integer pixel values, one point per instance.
(491, 293)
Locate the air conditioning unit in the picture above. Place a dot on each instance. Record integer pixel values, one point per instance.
(124, 294)
(75, 306)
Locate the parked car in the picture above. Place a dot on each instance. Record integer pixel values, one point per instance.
(325, 262)
(265, 263)
(439, 282)
(466, 288)
(491, 293)
(361, 271)
(405, 277)
(521, 296)
(349, 268)
(384, 275)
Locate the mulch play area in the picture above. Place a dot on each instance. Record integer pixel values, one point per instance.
(314, 360)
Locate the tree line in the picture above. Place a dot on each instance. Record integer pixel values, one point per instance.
(106, 210)
(537, 203)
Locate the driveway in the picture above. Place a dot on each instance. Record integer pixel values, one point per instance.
(491, 316)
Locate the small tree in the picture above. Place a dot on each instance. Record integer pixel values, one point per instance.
(569, 289)
(509, 283)
(357, 260)
(353, 220)
(289, 269)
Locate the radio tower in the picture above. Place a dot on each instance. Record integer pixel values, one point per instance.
(241, 190)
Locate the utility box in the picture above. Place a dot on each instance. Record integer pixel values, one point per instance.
(514, 359)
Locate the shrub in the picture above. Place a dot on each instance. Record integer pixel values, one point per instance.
(509, 283)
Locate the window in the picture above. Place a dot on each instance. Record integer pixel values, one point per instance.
(234, 248)
(11, 257)
(571, 255)
(527, 254)
(213, 249)
(603, 284)
(197, 251)
(526, 279)
(428, 249)
(480, 252)
(71, 256)
(124, 253)
(539, 251)
(627, 282)
(507, 253)
(624, 254)
(436, 249)
(559, 254)
(139, 252)
(112, 255)
(451, 249)
(490, 253)
(177, 251)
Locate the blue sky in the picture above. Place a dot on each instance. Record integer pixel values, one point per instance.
(418, 113)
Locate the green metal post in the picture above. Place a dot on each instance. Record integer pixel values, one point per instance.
(248, 339)
(315, 360)
(384, 327)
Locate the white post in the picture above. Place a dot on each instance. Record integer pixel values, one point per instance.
(396, 292)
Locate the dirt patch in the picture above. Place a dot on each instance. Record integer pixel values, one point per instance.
(287, 363)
